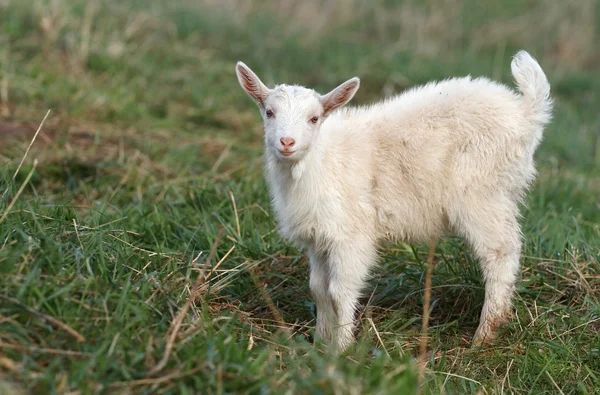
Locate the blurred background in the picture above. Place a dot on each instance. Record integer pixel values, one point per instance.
(151, 147)
(166, 66)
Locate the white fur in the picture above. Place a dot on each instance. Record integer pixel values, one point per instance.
(454, 156)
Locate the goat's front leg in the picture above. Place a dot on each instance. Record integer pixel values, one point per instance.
(319, 288)
(348, 265)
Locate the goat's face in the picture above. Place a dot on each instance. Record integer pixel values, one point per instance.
(292, 114)
(292, 117)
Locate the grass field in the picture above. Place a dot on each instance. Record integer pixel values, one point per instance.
(138, 251)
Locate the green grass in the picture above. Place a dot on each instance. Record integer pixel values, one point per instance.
(149, 142)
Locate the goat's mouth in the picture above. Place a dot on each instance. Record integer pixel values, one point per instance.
(286, 154)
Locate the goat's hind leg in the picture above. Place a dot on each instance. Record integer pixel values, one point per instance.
(500, 269)
(493, 233)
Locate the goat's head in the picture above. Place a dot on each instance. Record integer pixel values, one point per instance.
(292, 115)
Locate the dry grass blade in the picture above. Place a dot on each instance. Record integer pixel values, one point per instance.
(370, 320)
(125, 178)
(53, 321)
(554, 383)
(458, 376)
(8, 363)
(42, 350)
(276, 314)
(221, 158)
(77, 234)
(12, 203)
(426, 304)
(150, 253)
(237, 218)
(219, 263)
(577, 327)
(157, 380)
(178, 320)
(30, 144)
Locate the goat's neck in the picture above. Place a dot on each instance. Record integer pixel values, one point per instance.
(295, 176)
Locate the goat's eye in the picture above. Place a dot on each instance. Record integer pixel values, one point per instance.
(270, 114)
(314, 120)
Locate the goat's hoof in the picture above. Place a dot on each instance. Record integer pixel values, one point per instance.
(482, 339)
(488, 331)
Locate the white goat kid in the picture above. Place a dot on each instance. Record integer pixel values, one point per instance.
(449, 157)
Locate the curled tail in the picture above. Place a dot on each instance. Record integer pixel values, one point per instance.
(534, 86)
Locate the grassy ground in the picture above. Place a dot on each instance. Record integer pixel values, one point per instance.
(144, 229)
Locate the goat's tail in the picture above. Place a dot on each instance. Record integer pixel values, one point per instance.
(534, 86)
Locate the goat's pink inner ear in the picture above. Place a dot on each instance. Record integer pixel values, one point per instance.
(252, 84)
(340, 95)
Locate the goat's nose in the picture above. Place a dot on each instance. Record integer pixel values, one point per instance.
(287, 142)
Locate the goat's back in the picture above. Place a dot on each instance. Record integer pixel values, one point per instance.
(437, 144)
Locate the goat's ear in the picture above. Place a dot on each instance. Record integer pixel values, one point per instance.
(252, 84)
(340, 95)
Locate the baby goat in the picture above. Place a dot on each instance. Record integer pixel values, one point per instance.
(454, 156)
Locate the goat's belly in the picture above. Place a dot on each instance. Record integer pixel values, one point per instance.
(409, 224)
(324, 228)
